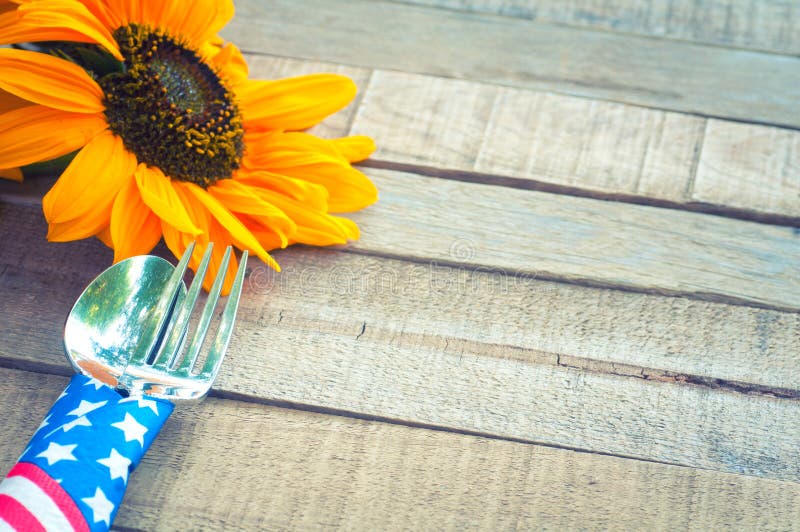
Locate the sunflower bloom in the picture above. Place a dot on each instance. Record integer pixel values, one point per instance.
(174, 140)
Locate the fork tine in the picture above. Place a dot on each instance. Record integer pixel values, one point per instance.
(196, 344)
(172, 346)
(225, 330)
(147, 349)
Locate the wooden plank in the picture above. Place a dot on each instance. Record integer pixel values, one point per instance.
(641, 335)
(582, 240)
(309, 350)
(299, 470)
(541, 140)
(677, 76)
(769, 25)
(593, 146)
(372, 372)
(743, 164)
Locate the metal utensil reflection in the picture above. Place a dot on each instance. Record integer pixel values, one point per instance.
(115, 315)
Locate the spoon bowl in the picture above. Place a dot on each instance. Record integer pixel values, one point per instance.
(113, 314)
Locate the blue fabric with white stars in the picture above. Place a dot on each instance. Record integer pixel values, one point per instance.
(91, 440)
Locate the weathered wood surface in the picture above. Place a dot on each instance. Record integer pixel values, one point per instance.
(645, 335)
(523, 138)
(679, 76)
(310, 471)
(771, 25)
(599, 147)
(582, 240)
(449, 365)
(483, 334)
(744, 165)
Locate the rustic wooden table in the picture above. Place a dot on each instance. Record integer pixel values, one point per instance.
(576, 304)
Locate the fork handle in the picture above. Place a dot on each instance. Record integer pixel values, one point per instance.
(74, 473)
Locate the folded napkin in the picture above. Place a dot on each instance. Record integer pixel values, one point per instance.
(74, 473)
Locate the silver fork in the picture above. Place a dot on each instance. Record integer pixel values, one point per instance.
(93, 437)
(160, 366)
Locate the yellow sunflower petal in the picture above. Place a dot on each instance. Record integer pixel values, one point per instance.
(239, 199)
(50, 81)
(70, 15)
(268, 238)
(197, 21)
(349, 227)
(241, 237)
(37, 133)
(6, 6)
(177, 242)
(355, 148)
(307, 157)
(9, 102)
(104, 236)
(135, 229)
(102, 13)
(313, 227)
(218, 235)
(91, 181)
(88, 225)
(13, 30)
(293, 103)
(229, 63)
(278, 149)
(159, 194)
(315, 196)
(15, 174)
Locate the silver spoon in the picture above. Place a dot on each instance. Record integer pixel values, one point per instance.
(116, 312)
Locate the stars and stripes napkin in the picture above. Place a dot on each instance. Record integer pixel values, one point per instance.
(74, 473)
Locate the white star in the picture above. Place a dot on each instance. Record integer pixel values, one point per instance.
(117, 465)
(45, 422)
(94, 382)
(63, 394)
(55, 453)
(82, 421)
(101, 506)
(143, 403)
(133, 429)
(85, 407)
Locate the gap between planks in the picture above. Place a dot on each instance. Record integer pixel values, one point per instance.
(296, 266)
(761, 25)
(478, 132)
(746, 172)
(555, 188)
(656, 73)
(503, 296)
(325, 471)
(303, 360)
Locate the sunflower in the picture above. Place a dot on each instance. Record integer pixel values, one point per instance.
(174, 139)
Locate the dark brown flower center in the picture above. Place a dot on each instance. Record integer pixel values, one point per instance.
(171, 109)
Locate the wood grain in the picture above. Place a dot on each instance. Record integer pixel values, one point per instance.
(590, 145)
(642, 335)
(582, 240)
(770, 25)
(310, 349)
(677, 76)
(743, 164)
(578, 146)
(310, 471)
